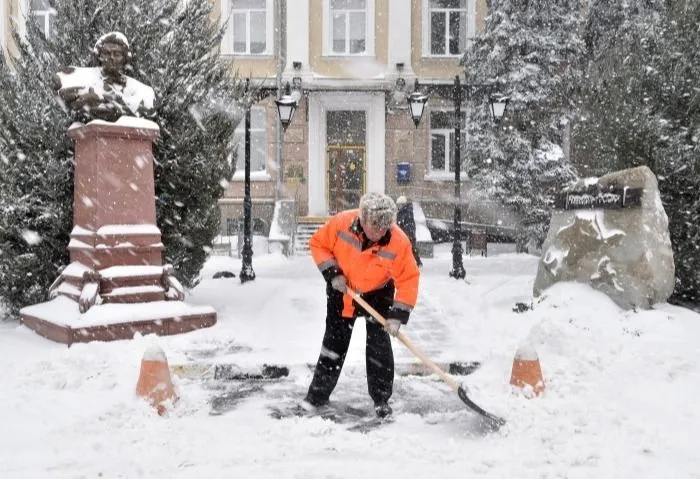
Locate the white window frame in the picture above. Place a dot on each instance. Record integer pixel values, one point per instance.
(427, 32)
(446, 173)
(44, 15)
(227, 41)
(239, 133)
(327, 21)
(25, 15)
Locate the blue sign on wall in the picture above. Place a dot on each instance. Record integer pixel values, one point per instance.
(403, 172)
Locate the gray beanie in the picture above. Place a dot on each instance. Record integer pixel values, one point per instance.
(378, 210)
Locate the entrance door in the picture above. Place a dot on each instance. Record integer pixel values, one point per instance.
(346, 176)
(346, 153)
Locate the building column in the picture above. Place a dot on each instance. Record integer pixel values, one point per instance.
(400, 38)
(297, 35)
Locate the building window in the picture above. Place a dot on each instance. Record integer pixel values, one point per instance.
(43, 16)
(448, 26)
(249, 27)
(442, 140)
(350, 27)
(258, 143)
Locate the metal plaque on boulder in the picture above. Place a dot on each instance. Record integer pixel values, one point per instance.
(595, 197)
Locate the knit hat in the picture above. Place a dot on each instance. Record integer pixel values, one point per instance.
(378, 210)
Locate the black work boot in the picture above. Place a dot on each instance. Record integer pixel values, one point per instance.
(310, 403)
(382, 409)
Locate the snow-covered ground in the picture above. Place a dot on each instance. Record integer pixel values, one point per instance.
(620, 399)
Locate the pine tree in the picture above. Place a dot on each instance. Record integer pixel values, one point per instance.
(678, 105)
(639, 106)
(174, 46)
(614, 129)
(530, 50)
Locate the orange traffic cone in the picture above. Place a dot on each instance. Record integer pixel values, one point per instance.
(527, 371)
(155, 384)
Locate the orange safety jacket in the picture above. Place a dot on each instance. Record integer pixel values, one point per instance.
(337, 248)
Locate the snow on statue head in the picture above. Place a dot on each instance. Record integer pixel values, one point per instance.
(113, 53)
(104, 92)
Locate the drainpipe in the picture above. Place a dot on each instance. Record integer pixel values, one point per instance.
(280, 41)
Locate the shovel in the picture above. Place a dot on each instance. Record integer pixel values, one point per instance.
(489, 421)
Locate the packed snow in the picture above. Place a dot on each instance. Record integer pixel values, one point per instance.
(619, 402)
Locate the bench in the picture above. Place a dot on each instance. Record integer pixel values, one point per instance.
(476, 240)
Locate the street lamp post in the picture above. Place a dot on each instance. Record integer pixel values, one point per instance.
(247, 273)
(497, 105)
(458, 271)
(285, 109)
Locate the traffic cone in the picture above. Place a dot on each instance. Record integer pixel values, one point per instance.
(527, 370)
(155, 384)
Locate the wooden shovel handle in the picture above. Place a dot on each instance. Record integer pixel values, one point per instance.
(406, 342)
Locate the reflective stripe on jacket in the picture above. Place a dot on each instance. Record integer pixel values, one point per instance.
(337, 249)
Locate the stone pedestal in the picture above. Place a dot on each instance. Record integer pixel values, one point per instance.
(114, 212)
(115, 247)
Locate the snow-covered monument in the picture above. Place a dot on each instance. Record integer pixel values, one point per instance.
(116, 284)
(612, 233)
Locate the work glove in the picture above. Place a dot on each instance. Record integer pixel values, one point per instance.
(392, 326)
(339, 283)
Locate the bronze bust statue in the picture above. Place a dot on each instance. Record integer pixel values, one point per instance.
(104, 92)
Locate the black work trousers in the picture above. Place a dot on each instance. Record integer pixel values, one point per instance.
(379, 356)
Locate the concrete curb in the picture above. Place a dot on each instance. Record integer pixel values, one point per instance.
(233, 372)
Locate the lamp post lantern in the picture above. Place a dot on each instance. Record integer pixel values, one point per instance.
(416, 102)
(286, 106)
(497, 106)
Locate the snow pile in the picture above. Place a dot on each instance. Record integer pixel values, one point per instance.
(619, 402)
(422, 232)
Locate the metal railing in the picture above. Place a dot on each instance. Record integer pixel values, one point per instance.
(491, 229)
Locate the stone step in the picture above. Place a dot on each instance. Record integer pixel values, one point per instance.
(306, 227)
(134, 294)
(118, 277)
(69, 290)
(304, 232)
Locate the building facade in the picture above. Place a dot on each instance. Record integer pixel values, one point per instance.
(352, 64)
